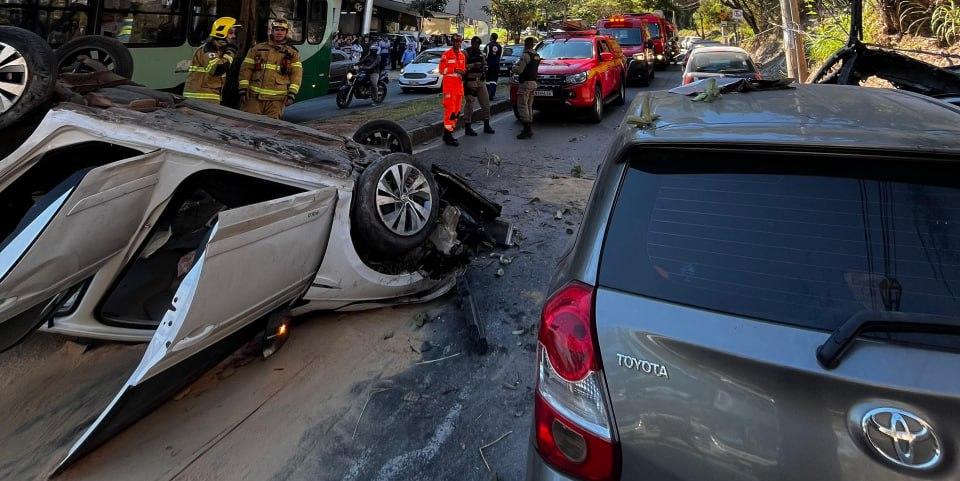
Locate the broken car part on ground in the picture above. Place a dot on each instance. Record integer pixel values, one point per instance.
(132, 215)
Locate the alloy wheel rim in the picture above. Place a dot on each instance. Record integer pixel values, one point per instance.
(95, 54)
(404, 200)
(383, 139)
(14, 74)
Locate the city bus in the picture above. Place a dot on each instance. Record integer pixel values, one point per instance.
(162, 34)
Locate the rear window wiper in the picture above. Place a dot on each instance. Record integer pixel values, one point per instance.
(830, 352)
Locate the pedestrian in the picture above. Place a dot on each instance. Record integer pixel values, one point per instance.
(526, 69)
(453, 66)
(475, 89)
(396, 50)
(271, 74)
(409, 54)
(384, 47)
(356, 50)
(211, 62)
(494, 52)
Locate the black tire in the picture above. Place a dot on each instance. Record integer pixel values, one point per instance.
(29, 71)
(384, 134)
(373, 237)
(343, 99)
(622, 94)
(644, 80)
(380, 94)
(112, 53)
(595, 115)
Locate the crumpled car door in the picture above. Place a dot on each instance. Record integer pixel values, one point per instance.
(69, 234)
(257, 258)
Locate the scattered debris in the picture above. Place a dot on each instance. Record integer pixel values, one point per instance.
(485, 446)
(520, 332)
(478, 333)
(421, 319)
(559, 215)
(647, 119)
(376, 391)
(388, 335)
(569, 231)
(439, 359)
(710, 92)
(504, 260)
(577, 171)
(499, 272)
(509, 386)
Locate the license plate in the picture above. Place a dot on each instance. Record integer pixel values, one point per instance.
(543, 93)
(414, 82)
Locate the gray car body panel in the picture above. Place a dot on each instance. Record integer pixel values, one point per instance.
(746, 399)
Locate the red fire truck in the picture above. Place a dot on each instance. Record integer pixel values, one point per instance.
(658, 31)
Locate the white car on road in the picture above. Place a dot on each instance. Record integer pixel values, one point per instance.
(423, 73)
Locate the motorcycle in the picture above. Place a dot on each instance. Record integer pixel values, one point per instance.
(359, 86)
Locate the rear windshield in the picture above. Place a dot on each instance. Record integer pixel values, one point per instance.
(721, 62)
(783, 244)
(566, 49)
(625, 36)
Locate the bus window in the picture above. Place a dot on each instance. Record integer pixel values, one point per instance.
(293, 11)
(317, 21)
(143, 22)
(204, 14)
(57, 21)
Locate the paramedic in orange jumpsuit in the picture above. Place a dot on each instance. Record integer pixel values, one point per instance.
(453, 66)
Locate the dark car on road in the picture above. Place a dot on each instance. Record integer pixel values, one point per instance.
(764, 287)
(340, 63)
(511, 53)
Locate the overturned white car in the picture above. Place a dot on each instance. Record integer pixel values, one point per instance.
(145, 218)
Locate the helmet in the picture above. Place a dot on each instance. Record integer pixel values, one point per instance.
(221, 27)
(280, 23)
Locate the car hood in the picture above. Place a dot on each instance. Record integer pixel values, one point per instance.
(420, 68)
(565, 67)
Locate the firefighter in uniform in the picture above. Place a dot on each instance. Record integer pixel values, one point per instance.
(475, 89)
(526, 69)
(453, 66)
(271, 74)
(211, 62)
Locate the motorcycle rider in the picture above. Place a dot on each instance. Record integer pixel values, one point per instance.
(272, 73)
(368, 68)
(475, 89)
(211, 62)
(453, 66)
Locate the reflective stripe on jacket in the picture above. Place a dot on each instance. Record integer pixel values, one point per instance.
(263, 72)
(207, 73)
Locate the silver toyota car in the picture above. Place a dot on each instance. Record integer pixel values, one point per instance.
(764, 287)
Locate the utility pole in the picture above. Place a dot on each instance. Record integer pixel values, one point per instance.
(367, 16)
(460, 18)
(792, 43)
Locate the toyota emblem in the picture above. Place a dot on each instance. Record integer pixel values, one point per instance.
(902, 438)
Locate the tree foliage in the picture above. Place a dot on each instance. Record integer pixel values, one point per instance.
(513, 15)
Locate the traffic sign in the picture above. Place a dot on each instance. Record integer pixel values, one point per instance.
(737, 15)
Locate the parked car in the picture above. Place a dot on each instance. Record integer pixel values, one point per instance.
(762, 287)
(423, 73)
(579, 72)
(511, 53)
(142, 217)
(631, 34)
(722, 61)
(340, 63)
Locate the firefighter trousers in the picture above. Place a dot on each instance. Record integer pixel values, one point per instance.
(452, 101)
(270, 108)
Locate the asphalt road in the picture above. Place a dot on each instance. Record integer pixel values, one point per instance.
(325, 107)
(390, 394)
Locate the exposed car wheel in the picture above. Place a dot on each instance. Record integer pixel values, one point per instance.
(110, 52)
(384, 134)
(622, 94)
(395, 206)
(596, 112)
(343, 99)
(26, 77)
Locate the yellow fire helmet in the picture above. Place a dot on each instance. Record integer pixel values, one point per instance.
(222, 26)
(280, 23)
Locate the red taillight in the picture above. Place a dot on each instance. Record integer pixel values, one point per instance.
(573, 430)
(687, 79)
(567, 334)
(599, 459)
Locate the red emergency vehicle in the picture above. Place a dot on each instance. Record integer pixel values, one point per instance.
(631, 34)
(660, 36)
(580, 71)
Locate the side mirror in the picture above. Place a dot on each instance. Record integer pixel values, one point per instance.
(606, 56)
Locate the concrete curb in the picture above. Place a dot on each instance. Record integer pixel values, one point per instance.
(427, 133)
